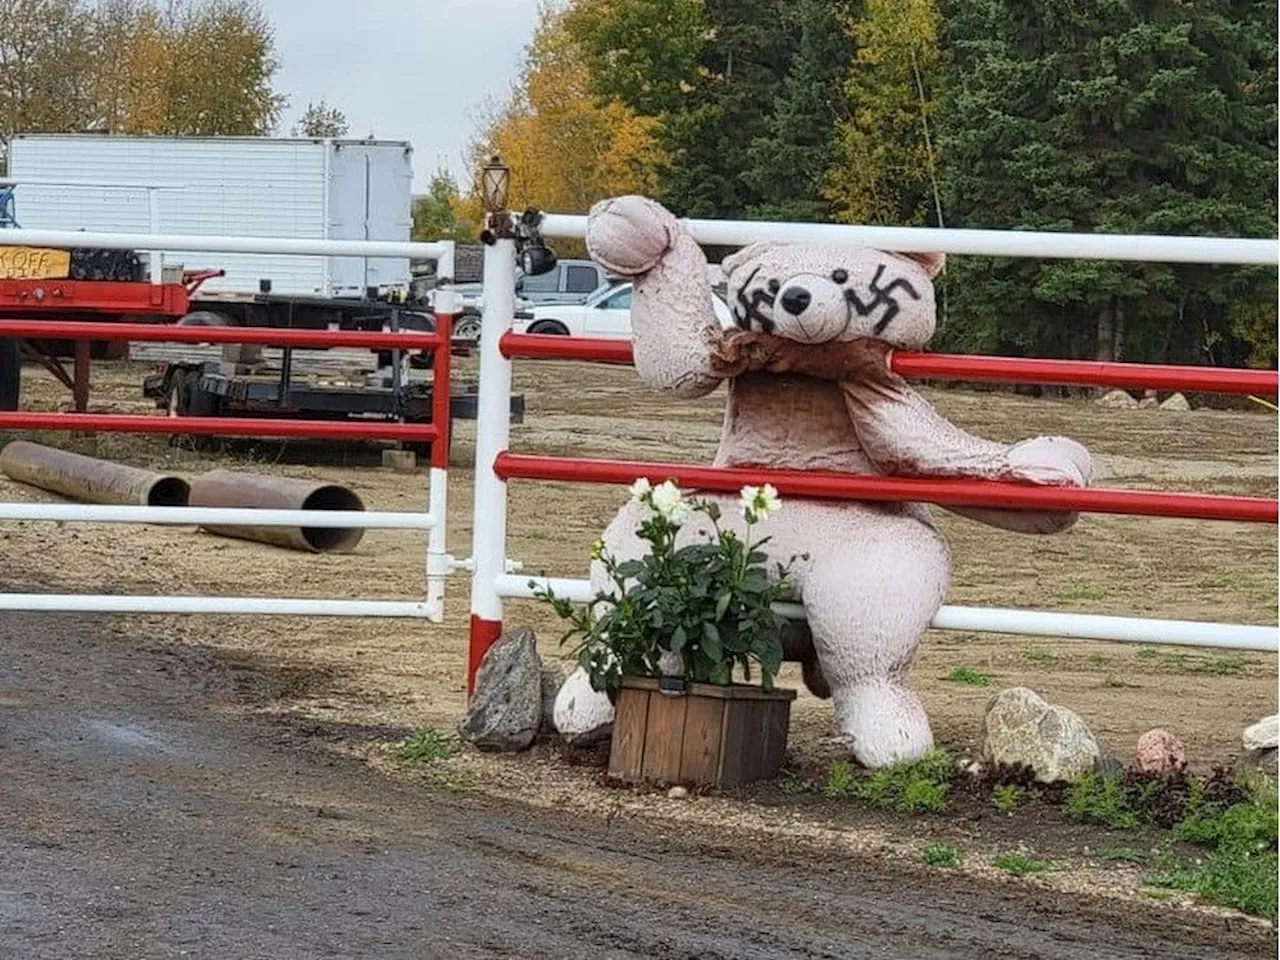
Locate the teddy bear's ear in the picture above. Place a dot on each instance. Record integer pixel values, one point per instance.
(933, 263)
(752, 251)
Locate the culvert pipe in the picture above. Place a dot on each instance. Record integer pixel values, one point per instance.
(227, 488)
(89, 479)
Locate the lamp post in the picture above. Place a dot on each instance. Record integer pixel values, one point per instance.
(495, 181)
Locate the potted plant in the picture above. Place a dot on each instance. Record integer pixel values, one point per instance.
(664, 642)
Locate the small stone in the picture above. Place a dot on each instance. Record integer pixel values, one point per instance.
(1263, 735)
(1160, 752)
(553, 677)
(1176, 402)
(506, 709)
(678, 793)
(1117, 400)
(1021, 727)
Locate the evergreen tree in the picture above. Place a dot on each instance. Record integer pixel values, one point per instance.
(789, 160)
(1133, 116)
(708, 138)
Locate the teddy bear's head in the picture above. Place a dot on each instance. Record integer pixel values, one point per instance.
(818, 293)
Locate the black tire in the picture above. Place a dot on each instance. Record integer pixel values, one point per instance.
(10, 373)
(549, 328)
(189, 399)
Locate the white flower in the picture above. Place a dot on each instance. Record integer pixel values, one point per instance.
(759, 503)
(670, 503)
(639, 489)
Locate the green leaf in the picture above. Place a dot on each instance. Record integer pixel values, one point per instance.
(722, 604)
(678, 639)
(711, 640)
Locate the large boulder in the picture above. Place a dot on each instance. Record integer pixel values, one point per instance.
(506, 709)
(1022, 728)
(1263, 735)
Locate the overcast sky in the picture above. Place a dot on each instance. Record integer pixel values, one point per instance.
(413, 70)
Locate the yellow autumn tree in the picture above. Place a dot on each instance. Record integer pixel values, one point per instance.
(567, 148)
(886, 167)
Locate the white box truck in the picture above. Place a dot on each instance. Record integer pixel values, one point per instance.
(238, 186)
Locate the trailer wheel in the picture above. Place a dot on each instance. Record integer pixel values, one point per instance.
(10, 373)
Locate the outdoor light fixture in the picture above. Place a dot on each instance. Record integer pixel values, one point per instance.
(535, 256)
(495, 177)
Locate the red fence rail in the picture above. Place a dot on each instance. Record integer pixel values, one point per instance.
(840, 486)
(435, 433)
(944, 366)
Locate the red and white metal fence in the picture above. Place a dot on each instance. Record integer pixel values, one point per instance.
(495, 464)
(492, 572)
(432, 520)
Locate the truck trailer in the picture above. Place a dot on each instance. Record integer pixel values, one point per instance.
(239, 186)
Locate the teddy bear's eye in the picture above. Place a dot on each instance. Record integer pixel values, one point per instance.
(840, 276)
(773, 286)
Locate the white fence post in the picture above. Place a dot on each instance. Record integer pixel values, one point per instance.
(493, 429)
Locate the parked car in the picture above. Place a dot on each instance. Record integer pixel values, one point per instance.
(606, 314)
(569, 282)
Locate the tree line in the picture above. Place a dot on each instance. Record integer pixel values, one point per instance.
(175, 67)
(1133, 116)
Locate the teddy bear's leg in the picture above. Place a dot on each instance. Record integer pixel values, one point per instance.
(869, 601)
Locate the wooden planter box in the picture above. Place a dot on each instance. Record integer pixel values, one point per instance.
(708, 735)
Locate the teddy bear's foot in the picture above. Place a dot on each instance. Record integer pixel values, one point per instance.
(882, 723)
(580, 711)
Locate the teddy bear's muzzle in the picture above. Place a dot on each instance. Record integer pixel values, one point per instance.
(810, 309)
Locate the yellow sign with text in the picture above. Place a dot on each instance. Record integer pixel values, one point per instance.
(34, 263)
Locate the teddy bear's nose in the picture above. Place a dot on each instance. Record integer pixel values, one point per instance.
(794, 300)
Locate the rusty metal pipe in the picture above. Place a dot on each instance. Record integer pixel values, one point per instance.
(227, 488)
(90, 479)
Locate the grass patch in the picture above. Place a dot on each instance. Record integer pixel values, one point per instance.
(1241, 865)
(919, 786)
(1117, 682)
(1020, 864)
(941, 855)
(1233, 820)
(1226, 666)
(425, 746)
(1120, 855)
(840, 780)
(794, 786)
(1084, 590)
(969, 677)
(1040, 655)
(1096, 798)
(1007, 797)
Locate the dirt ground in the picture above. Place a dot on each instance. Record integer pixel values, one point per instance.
(143, 816)
(398, 675)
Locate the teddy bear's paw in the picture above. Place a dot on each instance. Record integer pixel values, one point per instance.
(579, 710)
(1051, 461)
(882, 723)
(629, 235)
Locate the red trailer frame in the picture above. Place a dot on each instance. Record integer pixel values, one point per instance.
(102, 300)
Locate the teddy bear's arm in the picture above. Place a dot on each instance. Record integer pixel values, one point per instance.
(905, 436)
(674, 328)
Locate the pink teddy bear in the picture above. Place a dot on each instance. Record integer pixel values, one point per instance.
(810, 388)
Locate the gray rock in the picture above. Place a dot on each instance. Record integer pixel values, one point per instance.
(1021, 727)
(1263, 735)
(553, 677)
(1176, 402)
(506, 709)
(1117, 399)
